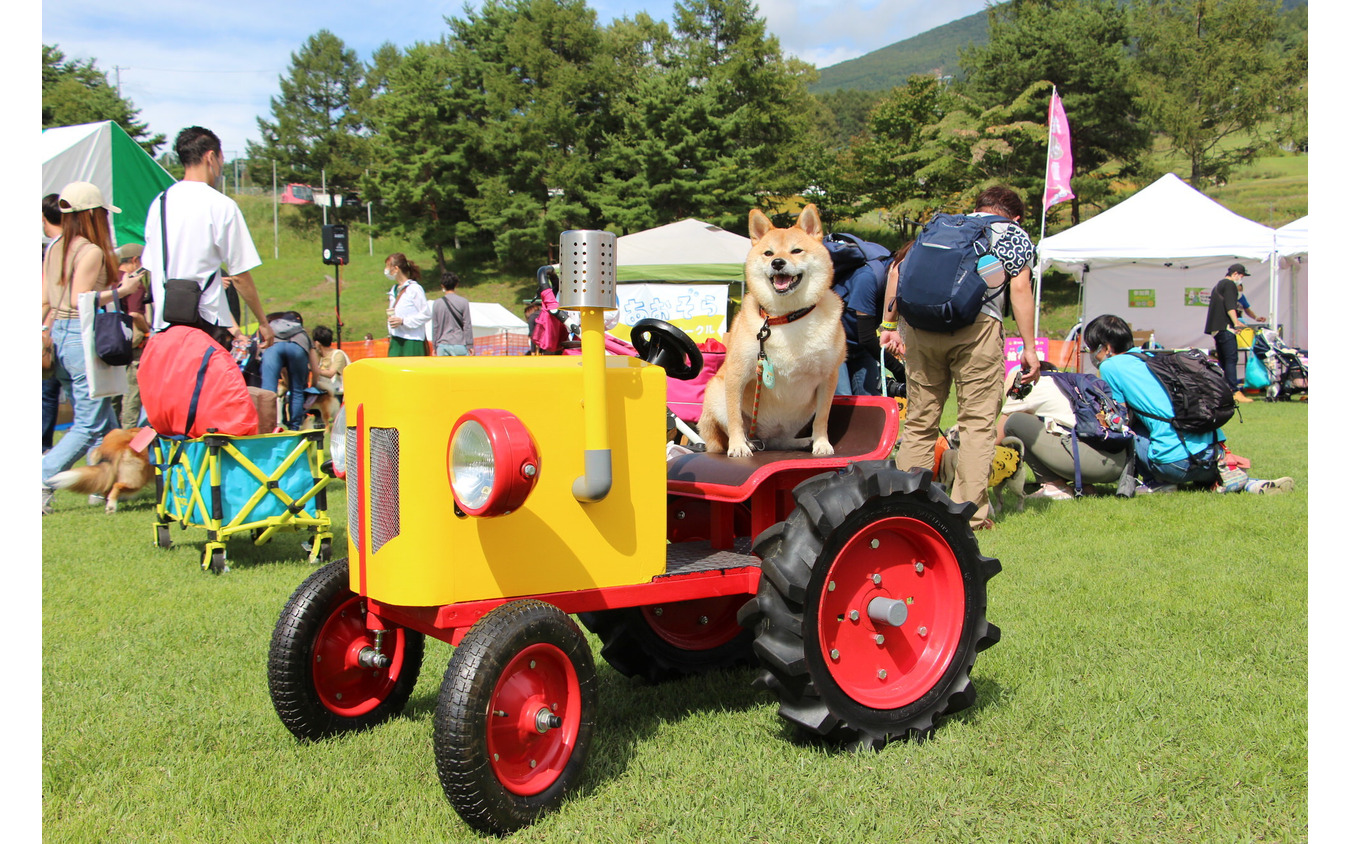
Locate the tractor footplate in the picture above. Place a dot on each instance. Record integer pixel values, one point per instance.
(688, 557)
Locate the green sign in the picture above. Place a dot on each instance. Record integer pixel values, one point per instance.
(1143, 298)
(1197, 297)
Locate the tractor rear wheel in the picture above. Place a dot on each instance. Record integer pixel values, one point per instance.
(515, 714)
(667, 641)
(321, 669)
(871, 607)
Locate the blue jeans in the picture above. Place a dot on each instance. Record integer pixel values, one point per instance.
(1203, 468)
(93, 417)
(51, 403)
(864, 372)
(296, 360)
(844, 386)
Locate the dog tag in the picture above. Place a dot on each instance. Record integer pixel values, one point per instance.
(767, 377)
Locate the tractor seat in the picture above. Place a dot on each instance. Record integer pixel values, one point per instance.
(861, 428)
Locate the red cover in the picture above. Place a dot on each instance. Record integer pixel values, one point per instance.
(168, 378)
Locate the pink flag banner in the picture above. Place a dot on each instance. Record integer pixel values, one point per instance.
(1059, 163)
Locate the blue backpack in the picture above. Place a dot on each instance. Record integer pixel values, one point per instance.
(1099, 420)
(940, 286)
(857, 263)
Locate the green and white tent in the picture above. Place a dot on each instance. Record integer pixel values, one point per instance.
(690, 250)
(103, 153)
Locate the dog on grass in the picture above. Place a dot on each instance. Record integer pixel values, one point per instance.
(784, 348)
(114, 470)
(1008, 472)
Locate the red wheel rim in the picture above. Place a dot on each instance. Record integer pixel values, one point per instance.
(696, 625)
(915, 565)
(539, 681)
(344, 686)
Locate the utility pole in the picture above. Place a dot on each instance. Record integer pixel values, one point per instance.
(276, 230)
(118, 72)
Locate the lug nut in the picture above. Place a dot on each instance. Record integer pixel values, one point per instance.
(875, 543)
(918, 568)
(853, 615)
(881, 675)
(830, 586)
(876, 578)
(703, 619)
(880, 639)
(834, 654)
(923, 631)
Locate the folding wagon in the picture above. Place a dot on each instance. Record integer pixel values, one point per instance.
(261, 485)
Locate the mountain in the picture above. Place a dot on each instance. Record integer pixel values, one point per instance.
(882, 70)
(936, 49)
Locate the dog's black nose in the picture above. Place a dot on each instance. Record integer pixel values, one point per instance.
(778, 264)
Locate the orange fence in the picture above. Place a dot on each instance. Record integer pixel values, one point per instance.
(504, 343)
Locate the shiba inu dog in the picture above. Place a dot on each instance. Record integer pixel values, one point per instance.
(114, 469)
(784, 348)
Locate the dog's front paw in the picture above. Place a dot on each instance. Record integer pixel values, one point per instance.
(739, 448)
(110, 507)
(822, 448)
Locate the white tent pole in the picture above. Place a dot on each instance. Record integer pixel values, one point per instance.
(1274, 320)
(276, 231)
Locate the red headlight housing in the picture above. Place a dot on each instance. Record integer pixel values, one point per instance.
(492, 462)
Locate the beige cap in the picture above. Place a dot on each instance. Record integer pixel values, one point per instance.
(127, 251)
(82, 196)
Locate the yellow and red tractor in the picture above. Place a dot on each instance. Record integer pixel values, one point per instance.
(489, 499)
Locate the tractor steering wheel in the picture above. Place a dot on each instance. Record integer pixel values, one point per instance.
(662, 344)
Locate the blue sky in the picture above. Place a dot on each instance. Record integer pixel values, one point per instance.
(217, 65)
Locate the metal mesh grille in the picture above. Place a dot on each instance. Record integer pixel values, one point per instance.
(353, 489)
(383, 486)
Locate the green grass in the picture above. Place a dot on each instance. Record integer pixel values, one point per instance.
(1151, 685)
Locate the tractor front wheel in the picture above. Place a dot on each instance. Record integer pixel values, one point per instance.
(514, 717)
(871, 607)
(324, 672)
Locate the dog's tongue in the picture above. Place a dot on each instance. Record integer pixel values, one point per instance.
(782, 282)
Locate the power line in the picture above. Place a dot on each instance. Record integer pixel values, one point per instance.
(179, 70)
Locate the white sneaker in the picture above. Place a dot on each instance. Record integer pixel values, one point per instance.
(1053, 491)
(1145, 489)
(97, 500)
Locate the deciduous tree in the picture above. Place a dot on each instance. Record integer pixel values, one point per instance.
(75, 91)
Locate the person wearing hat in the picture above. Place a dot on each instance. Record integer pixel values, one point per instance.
(1222, 323)
(81, 260)
(129, 265)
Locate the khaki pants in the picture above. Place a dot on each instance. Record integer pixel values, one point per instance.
(970, 358)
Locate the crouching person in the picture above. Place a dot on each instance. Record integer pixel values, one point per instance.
(1043, 419)
(1166, 457)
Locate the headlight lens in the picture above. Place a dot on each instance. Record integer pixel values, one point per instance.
(493, 462)
(337, 446)
(472, 467)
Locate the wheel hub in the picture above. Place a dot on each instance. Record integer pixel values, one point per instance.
(891, 613)
(536, 709)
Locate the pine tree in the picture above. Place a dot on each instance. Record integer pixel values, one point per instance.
(314, 128)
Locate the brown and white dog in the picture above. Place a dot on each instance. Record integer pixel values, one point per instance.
(114, 469)
(787, 341)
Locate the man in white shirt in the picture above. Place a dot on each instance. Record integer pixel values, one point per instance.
(207, 239)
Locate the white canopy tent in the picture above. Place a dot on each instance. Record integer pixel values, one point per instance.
(1291, 242)
(690, 250)
(491, 319)
(1153, 259)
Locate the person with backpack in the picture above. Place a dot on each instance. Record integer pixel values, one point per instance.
(949, 294)
(293, 351)
(1065, 441)
(1178, 401)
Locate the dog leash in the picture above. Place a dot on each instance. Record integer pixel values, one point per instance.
(763, 366)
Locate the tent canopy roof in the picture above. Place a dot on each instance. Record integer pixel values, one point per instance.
(1166, 221)
(1293, 238)
(690, 250)
(104, 154)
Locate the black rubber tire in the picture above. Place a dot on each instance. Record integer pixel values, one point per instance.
(217, 564)
(799, 552)
(635, 649)
(291, 660)
(468, 702)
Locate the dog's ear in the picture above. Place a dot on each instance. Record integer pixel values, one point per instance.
(809, 222)
(760, 225)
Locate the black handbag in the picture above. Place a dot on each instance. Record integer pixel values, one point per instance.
(112, 334)
(181, 295)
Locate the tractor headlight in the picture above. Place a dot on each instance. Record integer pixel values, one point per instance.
(337, 446)
(493, 462)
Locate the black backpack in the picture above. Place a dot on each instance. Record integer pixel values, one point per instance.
(1202, 401)
(940, 285)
